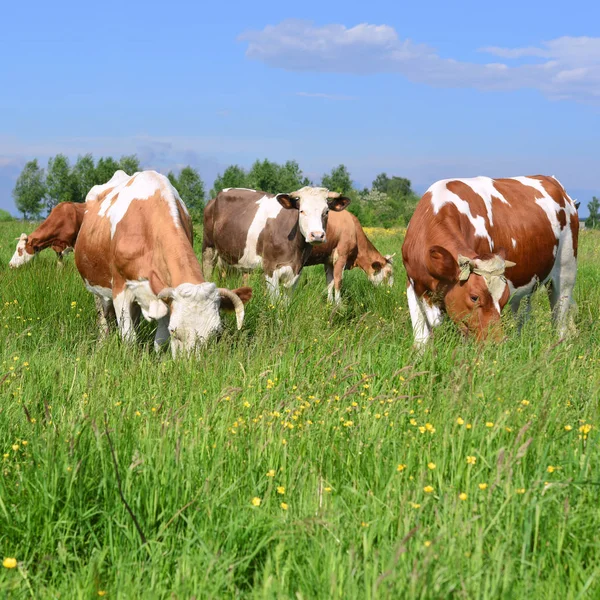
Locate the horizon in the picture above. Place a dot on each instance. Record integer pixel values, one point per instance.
(379, 88)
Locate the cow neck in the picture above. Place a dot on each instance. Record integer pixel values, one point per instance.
(175, 261)
(367, 253)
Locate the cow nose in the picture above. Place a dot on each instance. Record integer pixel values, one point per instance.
(317, 236)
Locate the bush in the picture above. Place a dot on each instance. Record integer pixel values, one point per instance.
(5, 216)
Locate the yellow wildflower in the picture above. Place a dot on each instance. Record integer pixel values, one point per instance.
(400, 468)
(9, 563)
(281, 490)
(462, 496)
(256, 501)
(460, 421)
(489, 424)
(427, 543)
(431, 466)
(284, 506)
(415, 505)
(271, 473)
(520, 490)
(428, 489)
(471, 460)
(568, 427)
(483, 486)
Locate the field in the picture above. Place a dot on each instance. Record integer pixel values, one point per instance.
(313, 454)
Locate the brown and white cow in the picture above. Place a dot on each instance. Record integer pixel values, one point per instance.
(134, 251)
(58, 231)
(248, 230)
(473, 243)
(347, 247)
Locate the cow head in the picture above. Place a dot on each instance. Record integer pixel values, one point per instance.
(475, 289)
(195, 317)
(382, 271)
(22, 254)
(313, 205)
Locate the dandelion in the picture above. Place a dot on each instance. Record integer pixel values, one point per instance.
(428, 489)
(431, 466)
(460, 421)
(471, 460)
(284, 506)
(427, 543)
(568, 427)
(9, 563)
(256, 501)
(468, 426)
(271, 473)
(483, 486)
(280, 490)
(15, 447)
(489, 424)
(400, 468)
(462, 496)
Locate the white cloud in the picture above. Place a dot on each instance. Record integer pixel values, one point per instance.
(563, 68)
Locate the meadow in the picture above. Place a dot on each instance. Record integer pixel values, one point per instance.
(313, 454)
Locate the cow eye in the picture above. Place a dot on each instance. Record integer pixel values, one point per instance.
(474, 299)
(302, 212)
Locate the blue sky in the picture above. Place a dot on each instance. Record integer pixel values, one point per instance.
(422, 90)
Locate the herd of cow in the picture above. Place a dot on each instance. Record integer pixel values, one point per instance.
(471, 245)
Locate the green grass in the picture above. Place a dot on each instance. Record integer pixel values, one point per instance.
(332, 401)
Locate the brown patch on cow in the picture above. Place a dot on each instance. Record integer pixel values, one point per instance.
(561, 215)
(553, 188)
(130, 182)
(474, 200)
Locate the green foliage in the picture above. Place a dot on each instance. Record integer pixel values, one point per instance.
(85, 174)
(5, 216)
(264, 176)
(105, 169)
(338, 180)
(61, 182)
(233, 177)
(290, 177)
(593, 221)
(30, 190)
(324, 404)
(130, 164)
(191, 189)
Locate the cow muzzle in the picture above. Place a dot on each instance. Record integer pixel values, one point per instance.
(316, 237)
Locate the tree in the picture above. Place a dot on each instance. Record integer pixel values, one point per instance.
(130, 164)
(233, 177)
(30, 190)
(191, 189)
(5, 216)
(105, 169)
(593, 221)
(61, 185)
(84, 172)
(264, 176)
(290, 177)
(338, 180)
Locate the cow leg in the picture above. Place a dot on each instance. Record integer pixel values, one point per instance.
(329, 277)
(127, 314)
(60, 264)
(273, 285)
(209, 259)
(424, 317)
(338, 275)
(289, 280)
(162, 333)
(105, 313)
(246, 278)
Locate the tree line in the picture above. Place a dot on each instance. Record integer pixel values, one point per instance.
(390, 201)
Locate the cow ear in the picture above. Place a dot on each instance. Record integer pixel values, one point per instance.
(501, 252)
(441, 264)
(377, 266)
(338, 204)
(287, 201)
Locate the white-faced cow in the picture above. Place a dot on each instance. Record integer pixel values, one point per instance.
(134, 251)
(474, 243)
(248, 230)
(347, 247)
(58, 231)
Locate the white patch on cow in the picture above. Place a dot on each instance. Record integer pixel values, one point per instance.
(312, 205)
(19, 259)
(547, 203)
(152, 307)
(268, 208)
(118, 178)
(385, 273)
(243, 189)
(424, 316)
(145, 186)
(98, 290)
(284, 276)
(514, 242)
(194, 316)
(441, 195)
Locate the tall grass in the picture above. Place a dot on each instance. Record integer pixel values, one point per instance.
(313, 454)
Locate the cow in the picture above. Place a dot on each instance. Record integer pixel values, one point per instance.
(474, 243)
(134, 252)
(348, 246)
(248, 229)
(58, 231)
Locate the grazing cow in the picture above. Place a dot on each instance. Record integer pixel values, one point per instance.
(348, 246)
(473, 243)
(58, 231)
(134, 251)
(247, 230)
